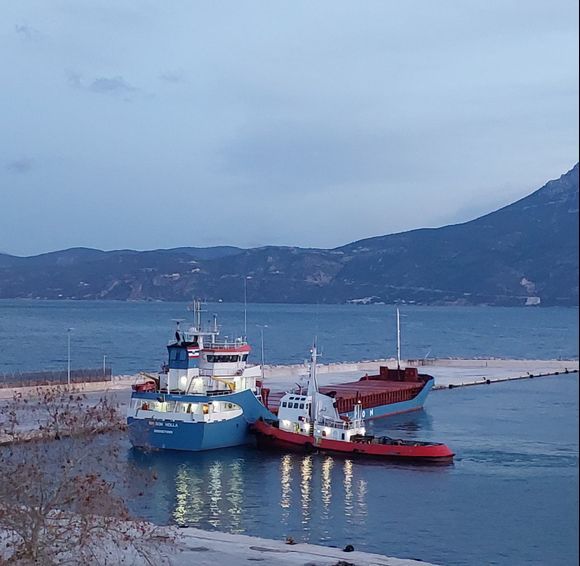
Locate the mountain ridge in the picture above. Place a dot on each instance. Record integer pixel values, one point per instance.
(523, 253)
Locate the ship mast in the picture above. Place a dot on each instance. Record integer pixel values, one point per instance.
(312, 384)
(197, 314)
(245, 307)
(398, 340)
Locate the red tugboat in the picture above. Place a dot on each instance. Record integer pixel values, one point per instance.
(311, 422)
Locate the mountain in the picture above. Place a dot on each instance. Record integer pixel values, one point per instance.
(524, 253)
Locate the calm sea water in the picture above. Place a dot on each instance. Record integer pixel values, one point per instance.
(511, 496)
(132, 336)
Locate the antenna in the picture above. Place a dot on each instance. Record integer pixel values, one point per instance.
(198, 314)
(196, 308)
(398, 339)
(312, 385)
(245, 306)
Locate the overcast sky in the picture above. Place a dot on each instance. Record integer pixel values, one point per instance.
(145, 124)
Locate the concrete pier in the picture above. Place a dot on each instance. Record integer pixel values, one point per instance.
(454, 372)
(205, 548)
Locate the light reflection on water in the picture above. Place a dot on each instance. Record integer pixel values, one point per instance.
(214, 494)
(305, 488)
(236, 496)
(286, 484)
(207, 492)
(326, 488)
(347, 483)
(505, 469)
(214, 490)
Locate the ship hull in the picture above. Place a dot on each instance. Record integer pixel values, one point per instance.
(271, 437)
(154, 431)
(160, 434)
(381, 411)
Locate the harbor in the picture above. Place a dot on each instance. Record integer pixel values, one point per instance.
(485, 409)
(503, 450)
(446, 372)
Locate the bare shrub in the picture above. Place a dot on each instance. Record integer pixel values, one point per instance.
(60, 495)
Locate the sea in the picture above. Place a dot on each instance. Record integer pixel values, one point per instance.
(510, 497)
(131, 336)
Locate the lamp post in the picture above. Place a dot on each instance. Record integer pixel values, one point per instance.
(246, 277)
(68, 331)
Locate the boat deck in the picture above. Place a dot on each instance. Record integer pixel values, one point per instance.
(370, 392)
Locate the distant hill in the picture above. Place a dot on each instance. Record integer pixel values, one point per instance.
(524, 253)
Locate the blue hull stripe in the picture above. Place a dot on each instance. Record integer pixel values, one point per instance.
(168, 434)
(396, 408)
(178, 435)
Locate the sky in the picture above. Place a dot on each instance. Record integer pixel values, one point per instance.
(143, 124)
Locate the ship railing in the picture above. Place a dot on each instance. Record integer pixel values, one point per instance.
(225, 345)
(192, 335)
(343, 425)
(219, 392)
(221, 345)
(207, 393)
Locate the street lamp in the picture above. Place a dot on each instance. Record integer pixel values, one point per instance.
(68, 331)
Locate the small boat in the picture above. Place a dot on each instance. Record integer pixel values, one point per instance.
(311, 422)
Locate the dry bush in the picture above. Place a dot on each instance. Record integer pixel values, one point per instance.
(60, 495)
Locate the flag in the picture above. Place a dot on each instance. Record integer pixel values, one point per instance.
(193, 353)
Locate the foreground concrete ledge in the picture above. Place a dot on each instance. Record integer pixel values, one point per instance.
(212, 548)
(171, 546)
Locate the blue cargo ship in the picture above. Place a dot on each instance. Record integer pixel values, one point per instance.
(205, 398)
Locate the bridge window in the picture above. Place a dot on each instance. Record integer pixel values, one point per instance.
(177, 355)
(222, 359)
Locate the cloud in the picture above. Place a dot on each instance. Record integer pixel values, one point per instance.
(74, 79)
(172, 76)
(20, 166)
(112, 85)
(27, 33)
(101, 85)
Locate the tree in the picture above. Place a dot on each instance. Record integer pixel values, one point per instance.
(63, 485)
